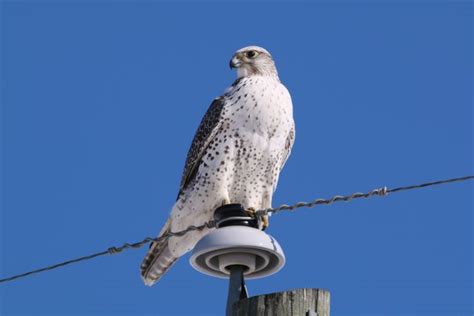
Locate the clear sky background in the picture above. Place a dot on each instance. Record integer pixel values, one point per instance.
(100, 101)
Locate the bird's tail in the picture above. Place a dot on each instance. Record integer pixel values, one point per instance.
(158, 260)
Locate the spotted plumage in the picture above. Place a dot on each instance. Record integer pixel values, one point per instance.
(208, 127)
(236, 156)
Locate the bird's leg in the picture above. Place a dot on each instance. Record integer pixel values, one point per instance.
(225, 201)
(251, 211)
(265, 222)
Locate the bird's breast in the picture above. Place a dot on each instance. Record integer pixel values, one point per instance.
(258, 106)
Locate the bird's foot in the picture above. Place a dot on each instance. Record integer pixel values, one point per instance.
(251, 212)
(225, 201)
(264, 223)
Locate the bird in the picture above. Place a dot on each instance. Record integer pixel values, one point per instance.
(236, 156)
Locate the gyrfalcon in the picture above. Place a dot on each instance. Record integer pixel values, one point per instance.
(236, 156)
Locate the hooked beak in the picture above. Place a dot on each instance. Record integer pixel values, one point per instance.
(235, 62)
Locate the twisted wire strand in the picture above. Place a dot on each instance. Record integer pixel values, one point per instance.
(338, 198)
(211, 224)
(114, 250)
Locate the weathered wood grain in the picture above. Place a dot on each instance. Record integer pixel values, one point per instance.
(299, 302)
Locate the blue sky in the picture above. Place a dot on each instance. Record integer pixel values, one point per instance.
(100, 100)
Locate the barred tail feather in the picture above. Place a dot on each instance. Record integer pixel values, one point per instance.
(158, 260)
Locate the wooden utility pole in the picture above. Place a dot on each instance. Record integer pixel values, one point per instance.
(300, 302)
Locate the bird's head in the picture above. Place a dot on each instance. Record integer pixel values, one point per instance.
(253, 60)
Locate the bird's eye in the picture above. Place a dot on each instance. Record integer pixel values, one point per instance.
(251, 54)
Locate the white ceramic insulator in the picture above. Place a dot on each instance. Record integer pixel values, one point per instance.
(247, 260)
(237, 245)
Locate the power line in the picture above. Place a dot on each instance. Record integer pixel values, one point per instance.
(337, 198)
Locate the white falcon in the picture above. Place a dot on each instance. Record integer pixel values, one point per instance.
(236, 156)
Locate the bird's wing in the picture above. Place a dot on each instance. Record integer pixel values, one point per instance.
(159, 258)
(210, 124)
(290, 140)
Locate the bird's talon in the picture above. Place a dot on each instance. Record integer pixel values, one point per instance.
(265, 222)
(251, 212)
